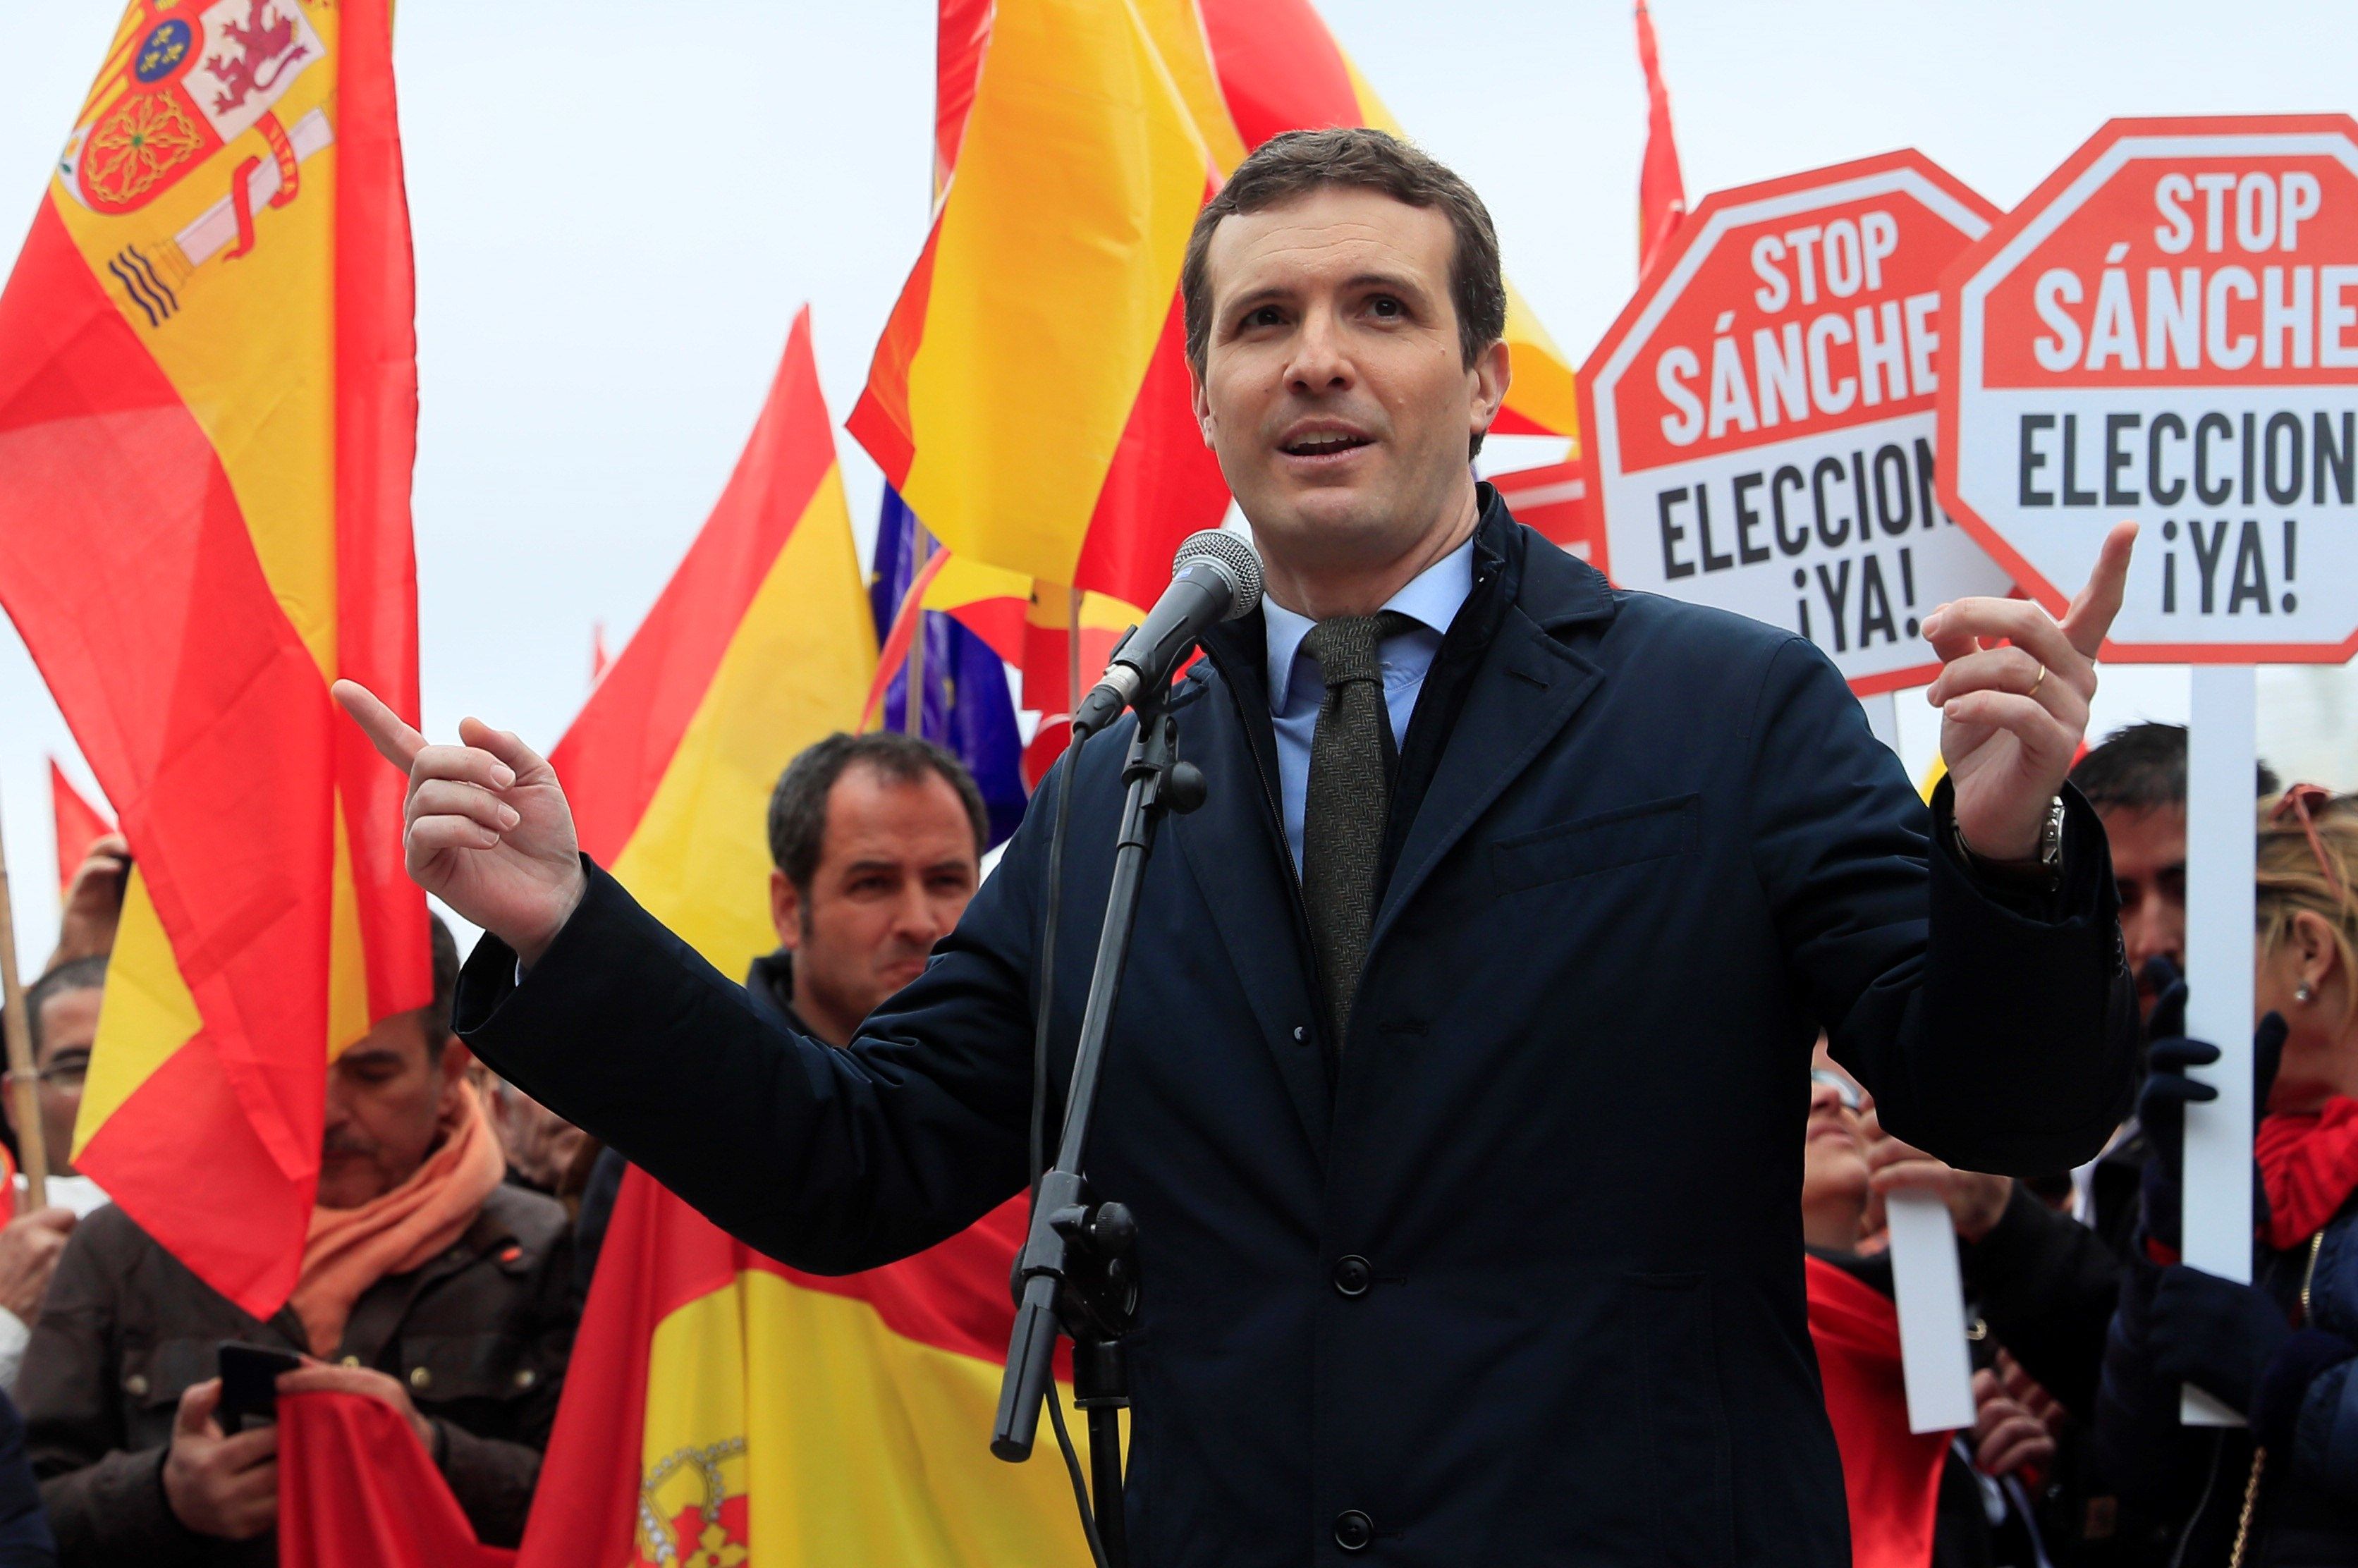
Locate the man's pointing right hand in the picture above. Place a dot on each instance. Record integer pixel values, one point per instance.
(485, 828)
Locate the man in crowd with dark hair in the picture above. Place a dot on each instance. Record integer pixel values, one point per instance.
(426, 1283)
(61, 1015)
(876, 845)
(2137, 782)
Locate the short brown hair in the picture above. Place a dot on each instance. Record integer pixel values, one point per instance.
(798, 804)
(1299, 162)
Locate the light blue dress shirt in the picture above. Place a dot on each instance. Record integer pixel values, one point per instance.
(1296, 689)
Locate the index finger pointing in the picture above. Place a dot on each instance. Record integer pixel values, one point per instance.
(394, 741)
(2091, 615)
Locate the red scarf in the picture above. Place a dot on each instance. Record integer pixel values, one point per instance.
(2308, 1166)
(1891, 1476)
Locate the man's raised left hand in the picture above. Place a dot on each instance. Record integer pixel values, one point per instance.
(2013, 695)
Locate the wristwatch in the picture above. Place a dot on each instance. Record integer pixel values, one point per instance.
(2044, 868)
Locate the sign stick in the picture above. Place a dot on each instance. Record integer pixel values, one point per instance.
(1925, 1284)
(1883, 718)
(1931, 1296)
(2222, 742)
(22, 1084)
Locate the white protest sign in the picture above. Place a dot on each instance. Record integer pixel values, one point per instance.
(1759, 420)
(2166, 331)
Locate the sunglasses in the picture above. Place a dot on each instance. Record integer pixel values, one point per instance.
(1843, 1087)
(2303, 803)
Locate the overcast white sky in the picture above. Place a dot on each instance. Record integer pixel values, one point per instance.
(618, 208)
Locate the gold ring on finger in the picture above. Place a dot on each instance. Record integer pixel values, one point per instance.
(2035, 685)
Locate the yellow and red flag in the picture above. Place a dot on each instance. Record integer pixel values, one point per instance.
(723, 1408)
(720, 1403)
(1029, 396)
(78, 824)
(207, 411)
(762, 642)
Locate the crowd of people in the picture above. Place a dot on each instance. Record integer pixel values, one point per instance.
(458, 1223)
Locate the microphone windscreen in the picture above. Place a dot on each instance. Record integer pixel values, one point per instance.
(1233, 553)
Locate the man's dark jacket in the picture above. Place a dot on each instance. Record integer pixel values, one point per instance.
(1515, 1270)
(480, 1334)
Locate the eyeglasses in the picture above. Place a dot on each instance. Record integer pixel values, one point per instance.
(1843, 1087)
(67, 1076)
(2302, 802)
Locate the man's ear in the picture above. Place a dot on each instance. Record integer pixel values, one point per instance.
(456, 1059)
(785, 910)
(1492, 375)
(1201, 401)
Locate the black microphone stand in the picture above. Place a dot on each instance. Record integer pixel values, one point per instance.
(1077, 1273)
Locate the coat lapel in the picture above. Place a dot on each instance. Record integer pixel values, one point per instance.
(1529, 687)
(1233, 839)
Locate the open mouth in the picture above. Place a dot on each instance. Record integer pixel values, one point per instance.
(1325, 444)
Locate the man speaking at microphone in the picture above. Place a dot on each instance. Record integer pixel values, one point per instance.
(1458, 1079)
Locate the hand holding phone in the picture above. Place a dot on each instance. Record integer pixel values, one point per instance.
(249, 1377)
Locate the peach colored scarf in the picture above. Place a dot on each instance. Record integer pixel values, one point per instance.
(352, 1249)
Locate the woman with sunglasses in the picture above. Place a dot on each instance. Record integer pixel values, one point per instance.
(2280, 1352)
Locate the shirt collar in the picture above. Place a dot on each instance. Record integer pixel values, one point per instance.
(1431, 599)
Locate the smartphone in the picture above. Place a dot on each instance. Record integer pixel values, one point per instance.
(249, 1377)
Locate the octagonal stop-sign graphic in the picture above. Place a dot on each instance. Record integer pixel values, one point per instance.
(2166, 331)
(1759, 418)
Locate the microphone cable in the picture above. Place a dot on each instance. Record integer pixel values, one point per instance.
(1042, 993)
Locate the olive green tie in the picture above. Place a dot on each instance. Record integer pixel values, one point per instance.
(1344, 807)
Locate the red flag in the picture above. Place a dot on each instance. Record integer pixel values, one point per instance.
(1891, 1476)
(79, 824)
(1662, 192)
(356, 1490)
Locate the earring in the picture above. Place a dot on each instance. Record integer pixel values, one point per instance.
(2302, 993)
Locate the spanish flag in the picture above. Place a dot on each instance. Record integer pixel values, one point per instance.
(718, 1403)
(208, 407)
(760, 644)
(1247, 69)
(1029, 394)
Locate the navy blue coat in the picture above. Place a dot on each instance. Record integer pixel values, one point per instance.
(1659, 847)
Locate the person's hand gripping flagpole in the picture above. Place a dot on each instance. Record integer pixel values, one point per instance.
(485, 827)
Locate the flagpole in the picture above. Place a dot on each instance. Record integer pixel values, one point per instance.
(913, 716)
(23, 1083)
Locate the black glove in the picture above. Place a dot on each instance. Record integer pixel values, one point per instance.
(2161, 1111)
(2214, 1333)
(2300, 1360)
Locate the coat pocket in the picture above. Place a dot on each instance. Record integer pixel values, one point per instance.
(1651, 831)
(1683, 1422)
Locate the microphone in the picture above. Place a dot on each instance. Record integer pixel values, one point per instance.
(1216, 576)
